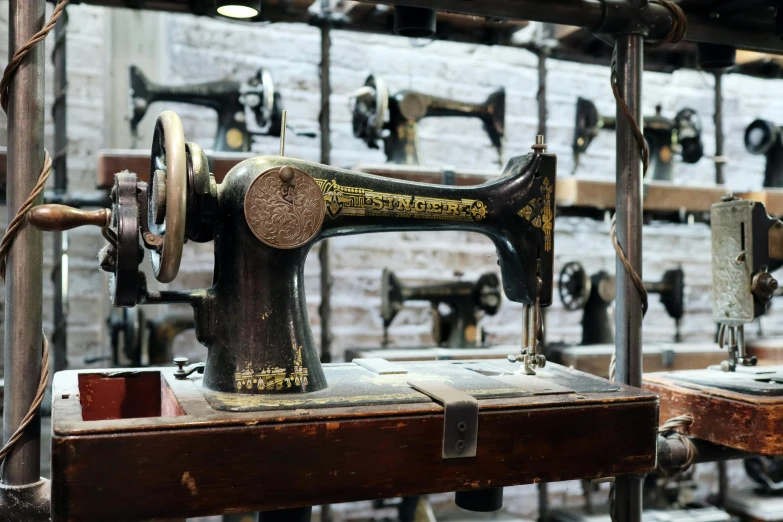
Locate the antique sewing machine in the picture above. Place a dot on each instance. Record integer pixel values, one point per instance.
(244, 109)
(594, 295)
(266, 419)
(380, 117)
(727, 399)
(140, 341)
(455, 327)
(764, 137)
(664, 136)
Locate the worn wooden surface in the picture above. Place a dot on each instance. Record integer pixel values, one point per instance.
(772, 199)
(208, 462)
(746, 422)
(656, 357)
(430, 353)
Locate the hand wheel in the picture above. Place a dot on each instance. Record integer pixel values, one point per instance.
(369, 110)
(574, 286)
(167, 196)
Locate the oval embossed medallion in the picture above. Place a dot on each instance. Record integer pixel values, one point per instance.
(284, 207)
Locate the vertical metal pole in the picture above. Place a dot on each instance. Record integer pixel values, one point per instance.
(543, 502)
(723, 483)
(24, 274)
(326, 150)
(60, 254)
(719, 162)
(628, 310)
(541, 96)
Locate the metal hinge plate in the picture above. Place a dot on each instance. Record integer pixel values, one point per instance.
(460, 417)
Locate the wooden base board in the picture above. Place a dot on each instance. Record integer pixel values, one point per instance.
(729, 418)
(194, 461)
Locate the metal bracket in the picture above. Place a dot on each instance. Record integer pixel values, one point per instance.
(460, 418)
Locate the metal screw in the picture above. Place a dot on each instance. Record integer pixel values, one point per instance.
(181, 362)
(286, 174)
(461, 427)
(539, 146)
(729, 197)
(460, 445)
(512, 358)
(764, 285)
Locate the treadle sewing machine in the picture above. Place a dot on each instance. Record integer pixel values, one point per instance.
(737, 403)
(244, 109)
(664, 136)
(271, 418)
(380, 117)
(594, 295)
(455, 327)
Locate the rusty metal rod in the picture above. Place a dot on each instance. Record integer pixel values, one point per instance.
(672, 453)
(24, 275)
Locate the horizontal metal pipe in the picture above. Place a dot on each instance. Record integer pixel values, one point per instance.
(672, 453)
(618, 17)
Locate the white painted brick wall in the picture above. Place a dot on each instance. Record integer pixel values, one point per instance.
(200, 49)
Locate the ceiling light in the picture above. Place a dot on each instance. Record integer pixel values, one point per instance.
(242, 9)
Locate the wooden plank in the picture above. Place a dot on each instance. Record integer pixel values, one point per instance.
(746, 422)
(656, 358)
(112, 161)
(661, 197)
(772, 199)
(768, 350)
(208, 462)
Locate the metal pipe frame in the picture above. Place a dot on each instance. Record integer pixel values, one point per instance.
(628, 309)
(719, 161)
(325, 309)
(673, 453)
(619, 17)
(60, 165)
(24, 273)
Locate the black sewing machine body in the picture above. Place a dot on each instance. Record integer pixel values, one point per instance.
(594, 296)
(457, 327)
(764, 137)
(379, 116)
(244, 109)
(264, 218)
(664, 136)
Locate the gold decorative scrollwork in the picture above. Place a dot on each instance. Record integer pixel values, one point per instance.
(357, 201)
(272, 378)
(541, 214)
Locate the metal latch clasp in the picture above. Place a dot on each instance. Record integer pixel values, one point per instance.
(460, 418)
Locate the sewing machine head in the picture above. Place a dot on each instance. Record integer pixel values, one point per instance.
(244, 109)
(595, 294)
(747, 246)
(379, 116)
(457, 327)
(664, 136)
(264, 218)
(764, 137)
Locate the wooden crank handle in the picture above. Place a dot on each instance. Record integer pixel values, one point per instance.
(56, 218)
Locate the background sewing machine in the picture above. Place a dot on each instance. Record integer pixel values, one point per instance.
(456, 307)
(262, 374)
(665, 137)
(764, 137)
(137, 340)
(379, 116)
(738, 403)
(594, 295)
(244, 109)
